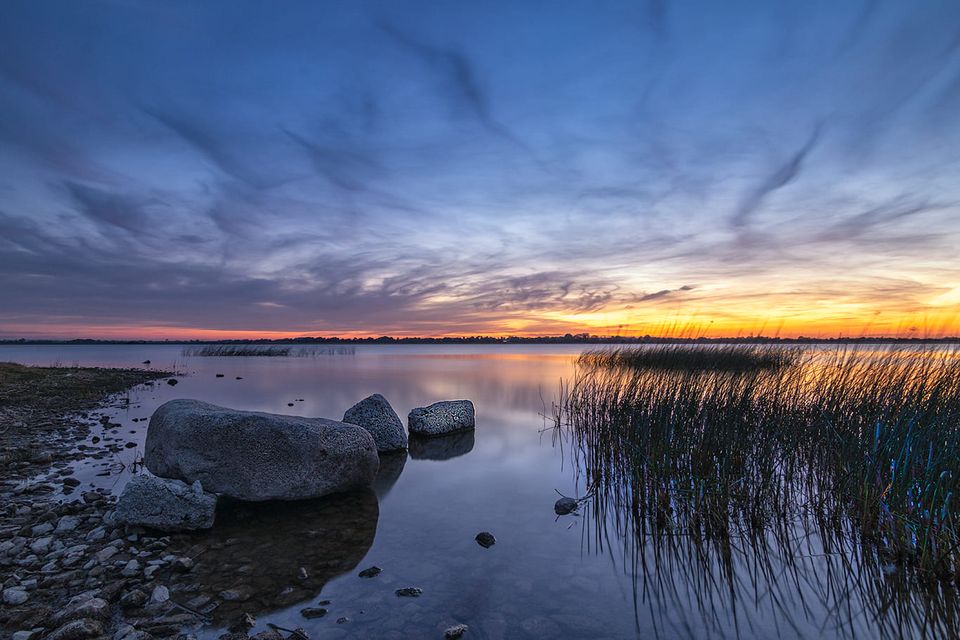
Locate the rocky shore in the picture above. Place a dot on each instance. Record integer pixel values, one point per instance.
(73, 571)
(68, 575)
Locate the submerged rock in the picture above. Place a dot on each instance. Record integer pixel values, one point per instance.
(563, 506)
(441, 418)
(455, 632)
(169, 505)
(258, 550)
(256, 456)
(370, 572)
(376, 415)
(486, 539)
(410, 592)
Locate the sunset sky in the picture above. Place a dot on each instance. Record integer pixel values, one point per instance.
(245, 169)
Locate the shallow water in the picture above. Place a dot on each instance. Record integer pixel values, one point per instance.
(546, 577)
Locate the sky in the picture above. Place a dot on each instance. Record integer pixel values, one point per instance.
(246, 169)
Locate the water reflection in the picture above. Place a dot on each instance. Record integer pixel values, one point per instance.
(441, 447)
(264, 556)
(391, 466)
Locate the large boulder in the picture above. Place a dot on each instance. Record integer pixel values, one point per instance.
(250, 455)
(442, 418)
(377, 416)
(164, 504)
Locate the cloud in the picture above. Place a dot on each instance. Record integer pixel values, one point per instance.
(780, 177)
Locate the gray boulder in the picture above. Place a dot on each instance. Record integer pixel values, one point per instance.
(377, 416)
(256, 456)
(442, 418)
(169, 505)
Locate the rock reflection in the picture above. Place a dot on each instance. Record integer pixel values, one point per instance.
(260, 557)
(391, 466)
(441, 447)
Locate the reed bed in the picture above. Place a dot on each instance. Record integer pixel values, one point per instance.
(263, 351)
(683, 357)
(849, 443)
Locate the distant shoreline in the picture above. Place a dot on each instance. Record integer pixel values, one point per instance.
(567, 339)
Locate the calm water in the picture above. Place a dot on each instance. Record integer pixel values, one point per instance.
(546, 577)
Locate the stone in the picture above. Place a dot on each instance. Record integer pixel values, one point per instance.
(258, 456)
(376, 415)
(182, 564)
(563, 506)
(77, 630)
(169, 505)
(313, 612)
(455, 632)
(485, 539)
(134, 598)
(370, 572)
(67, 523)
(409, 592)
(131, 569)
(15, 596)
(41, 545)
(160, 594)
(441, 418)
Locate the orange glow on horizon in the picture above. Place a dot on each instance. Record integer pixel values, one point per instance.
(604, 323)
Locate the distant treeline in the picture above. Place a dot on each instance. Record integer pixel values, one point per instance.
(580, 338)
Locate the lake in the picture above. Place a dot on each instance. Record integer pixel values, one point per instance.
(546, 576)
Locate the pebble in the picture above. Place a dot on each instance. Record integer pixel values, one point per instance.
(131, 569)
(313, 612)
(15, 596)
(563, 506)
(160, 594)
(370, 572)
(455, 632)
(486, 539)
(409, 592)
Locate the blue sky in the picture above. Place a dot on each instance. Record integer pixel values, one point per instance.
(504, 167)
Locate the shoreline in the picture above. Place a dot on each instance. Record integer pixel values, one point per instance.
(69, 574)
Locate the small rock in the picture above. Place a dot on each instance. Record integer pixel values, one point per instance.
(14, 596)
(409, 592)
(135, 598)
(485, 539)
(67, 523)
(455, 632)
(71, 482)
(170, 505)
(219, 375)
(563, 506)
(370, 572)
(313, 612)
(172, 382)
(160, 594)
(343, 620)
(131, 569)
(182, 564)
